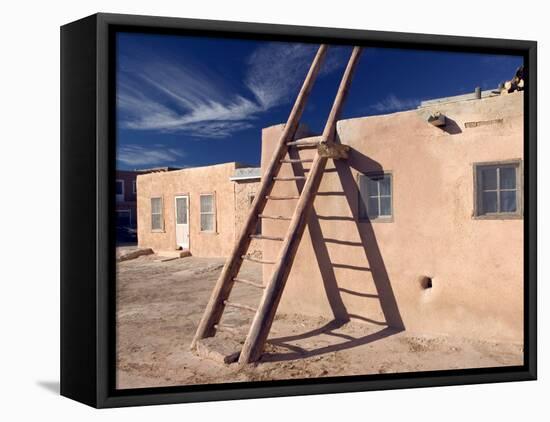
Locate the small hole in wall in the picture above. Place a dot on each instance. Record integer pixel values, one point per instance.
(426, 282)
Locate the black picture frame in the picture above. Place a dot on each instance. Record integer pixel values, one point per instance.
(87, 211)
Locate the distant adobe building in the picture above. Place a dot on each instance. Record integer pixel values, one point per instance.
(125, 201)
(198, 209)
(422, 227)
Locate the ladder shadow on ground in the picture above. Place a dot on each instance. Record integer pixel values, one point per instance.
(297, 352)
(393, 323)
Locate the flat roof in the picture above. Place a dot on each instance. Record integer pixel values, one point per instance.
(456, 98)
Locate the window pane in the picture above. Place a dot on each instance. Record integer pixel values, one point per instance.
(181, 213)
(156, 206)
(508, 201)
(362, 197)
(363, 184)
(489, 202)
(119, 187)
(372, 186)
(207, 222)
(507, 177)
(373, 207)
(385, 206)
(489, 178)
(207, 203)
(385, 188)
(156, 222)
(362, 207)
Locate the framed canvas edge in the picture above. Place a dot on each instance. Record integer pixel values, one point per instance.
(78, 306)
(107, 397)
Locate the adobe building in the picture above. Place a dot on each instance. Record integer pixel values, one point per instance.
(196, 210)
(125, 197)
(421, 228)
(125, 201)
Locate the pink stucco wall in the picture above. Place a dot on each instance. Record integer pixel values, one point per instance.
(371, 271)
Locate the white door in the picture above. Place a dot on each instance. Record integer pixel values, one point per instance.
(182, 221)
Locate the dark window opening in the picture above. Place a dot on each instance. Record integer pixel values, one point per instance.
(375, 197)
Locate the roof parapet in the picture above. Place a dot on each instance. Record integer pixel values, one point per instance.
(476, 95)
(246, 173)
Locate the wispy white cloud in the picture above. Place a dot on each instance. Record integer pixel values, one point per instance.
(165, 97)
(392, 103)
(137, 155)
(277, 70)
(211, 129)
(168, 96)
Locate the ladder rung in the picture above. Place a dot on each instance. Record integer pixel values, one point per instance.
(302, 144)
(250, 283)
(239, 306)
(281, 198)
(228, 328)
(274, 217)
(249, 258)
(285, 179)
(297, 160)
(264, 237)
(310, 141)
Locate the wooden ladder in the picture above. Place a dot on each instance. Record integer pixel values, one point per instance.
(326, 148)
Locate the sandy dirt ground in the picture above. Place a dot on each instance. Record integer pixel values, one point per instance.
(159, 305)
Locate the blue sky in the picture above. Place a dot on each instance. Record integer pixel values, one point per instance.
(189, 101)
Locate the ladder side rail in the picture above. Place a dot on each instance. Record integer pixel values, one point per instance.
(330, 127)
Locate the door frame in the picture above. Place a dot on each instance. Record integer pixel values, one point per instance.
(176, 220)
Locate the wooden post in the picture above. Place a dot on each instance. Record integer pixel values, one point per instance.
(330, 126)
(222, 289)
(261, 324)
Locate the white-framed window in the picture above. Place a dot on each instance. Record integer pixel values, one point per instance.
(119, 190)
(375, 197)
(157, 217)
(134, 187)
(208, 212)
(497, 189)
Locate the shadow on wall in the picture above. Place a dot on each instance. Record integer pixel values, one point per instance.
(451, 127)
(364, 164)
(374, 264)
